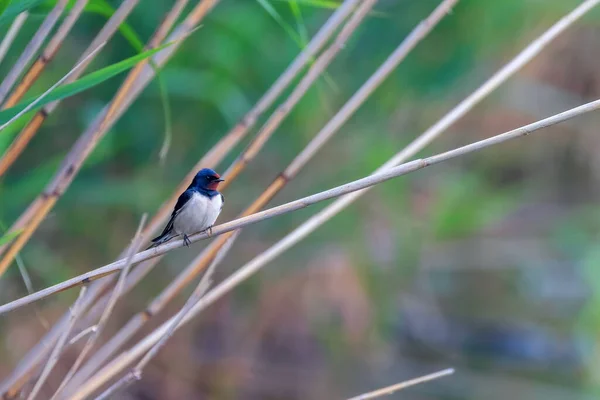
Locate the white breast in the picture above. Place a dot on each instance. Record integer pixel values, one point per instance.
(198, 214)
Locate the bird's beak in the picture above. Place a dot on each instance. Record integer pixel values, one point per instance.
(219, 180)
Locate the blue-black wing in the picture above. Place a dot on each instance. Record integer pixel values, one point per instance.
(185, 196)
(222, 201)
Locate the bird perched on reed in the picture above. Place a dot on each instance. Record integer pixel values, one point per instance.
(196, 210)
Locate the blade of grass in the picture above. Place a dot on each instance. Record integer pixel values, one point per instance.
(325, 4)
(87, 82)
(299, 21)
(9, 236)
(38, 102)
(296, 37)
(15, 8)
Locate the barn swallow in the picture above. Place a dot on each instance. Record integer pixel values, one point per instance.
(196, 210)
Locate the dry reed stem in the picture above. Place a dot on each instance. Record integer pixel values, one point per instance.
(199, 291)
(12, 33)
(21, 141)
(82, 334)
(200, 262)
(121, 362)
(31, 48)
(136, 243)
(12, 385)
(386, 391)
(47, 55)
(84, 146)
(47, 92)
(55, 355)
(338, 191)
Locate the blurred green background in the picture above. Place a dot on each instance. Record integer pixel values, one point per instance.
(488, 264)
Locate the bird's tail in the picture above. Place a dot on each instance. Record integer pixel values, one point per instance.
(165, 237)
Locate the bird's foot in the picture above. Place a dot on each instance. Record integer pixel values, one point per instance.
(186, 240)
(208, 231)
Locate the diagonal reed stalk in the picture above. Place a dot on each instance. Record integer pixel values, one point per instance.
(31, 49)
(10, 36)
(47, 55)
(28, 132)
(120, 363)
(386, 391)
(83, 147)
(198, 264)
(136, 243)
(33, 358)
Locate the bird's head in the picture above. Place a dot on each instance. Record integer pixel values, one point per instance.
(207, 179)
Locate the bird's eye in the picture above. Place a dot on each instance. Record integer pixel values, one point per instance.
(208, 178)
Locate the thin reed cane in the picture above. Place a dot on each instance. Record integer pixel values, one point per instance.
(21, 141)
(386, 391)
(12, 33)
(121, 362)
(31, 48)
